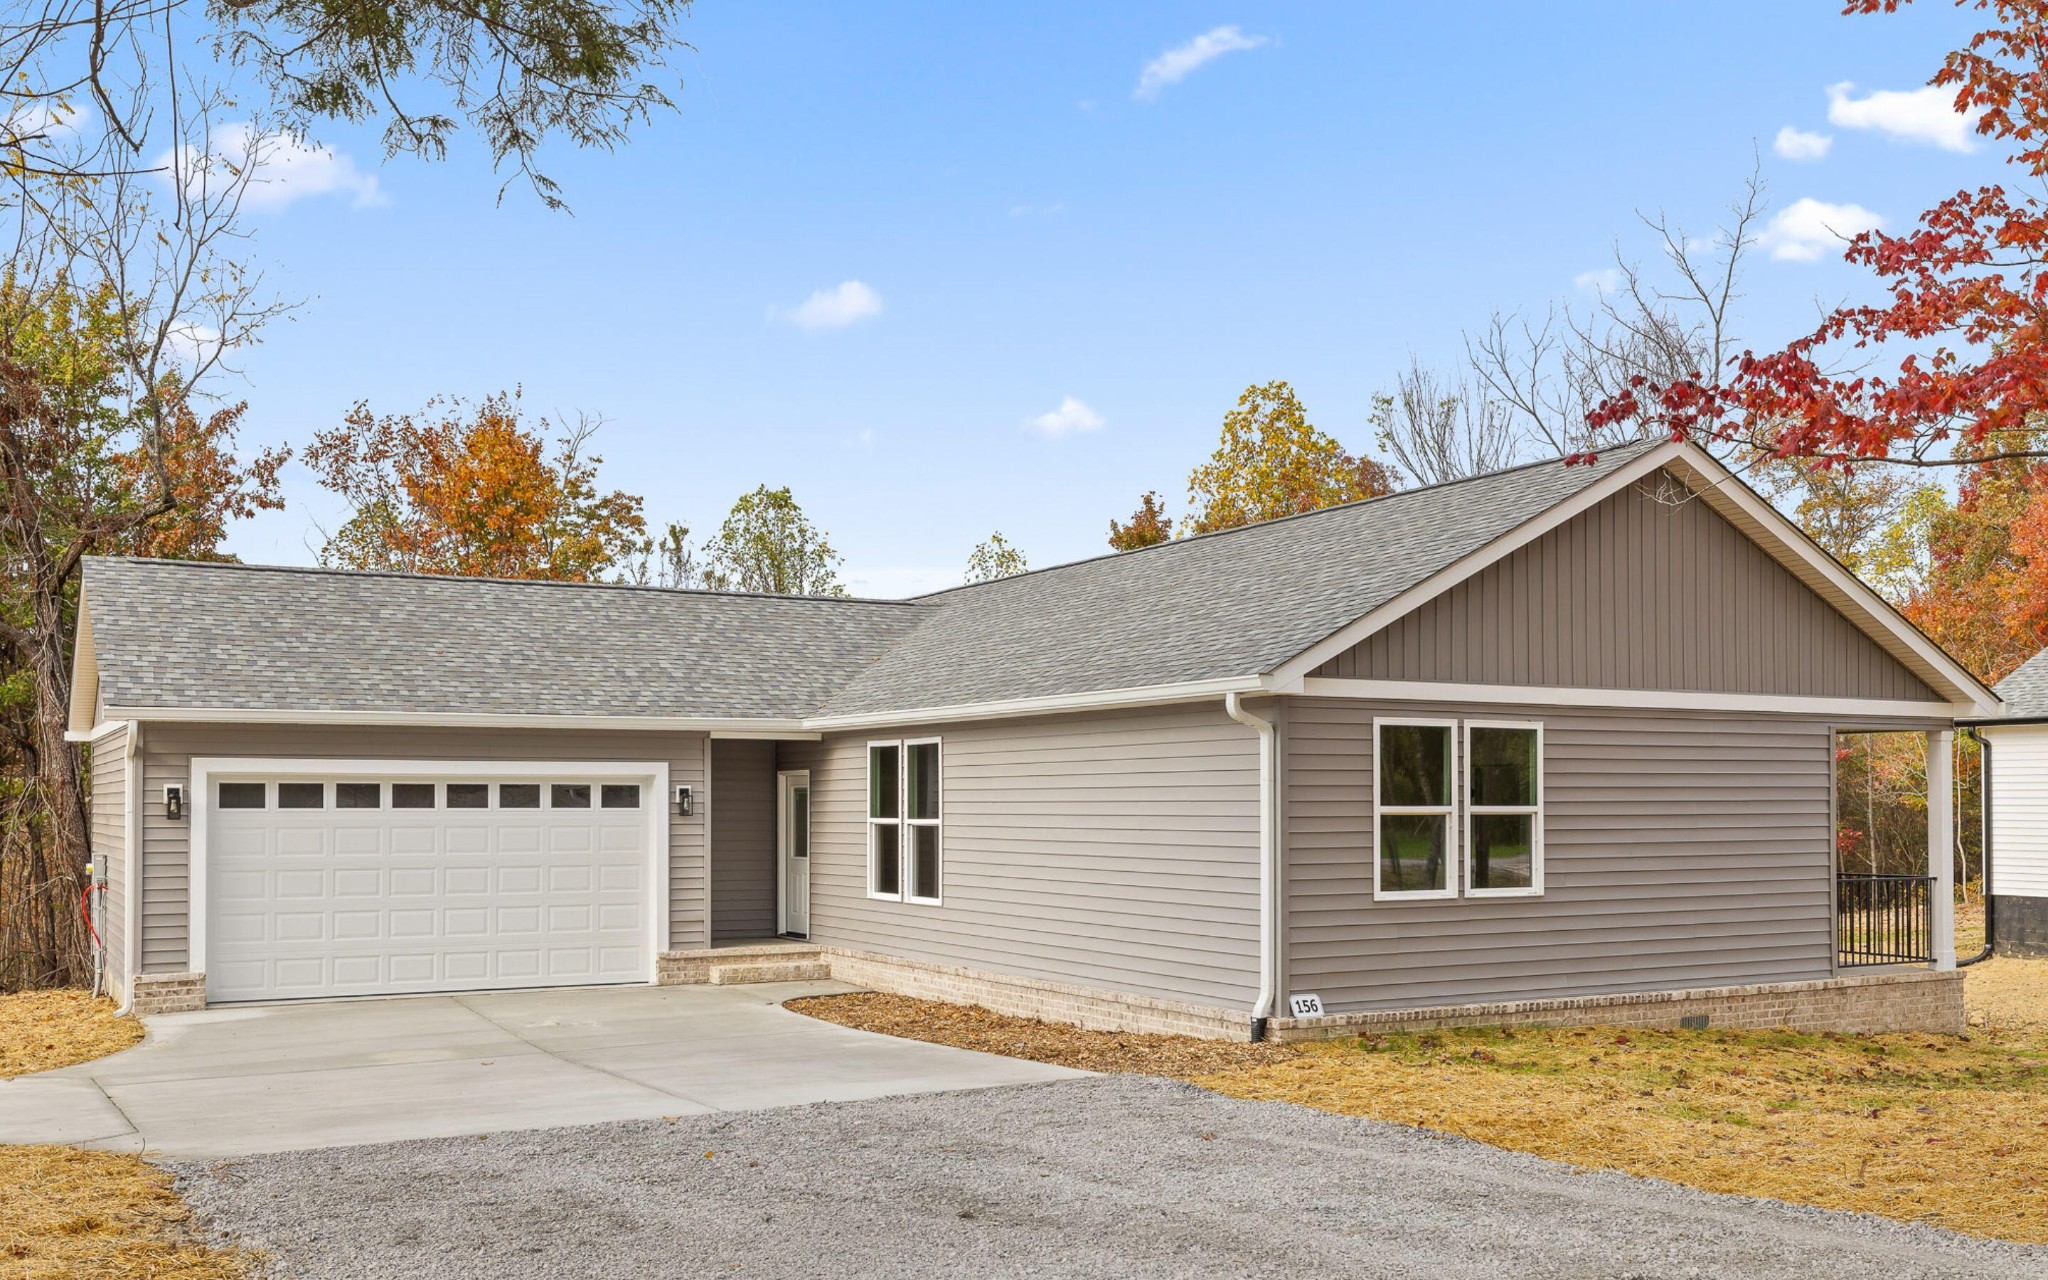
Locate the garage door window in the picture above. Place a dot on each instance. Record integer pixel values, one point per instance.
(569, 795)
(358, 795)
(301, 795)
(242, 795)
(412, 795)
(469, 795)
(622, 795)
(519, 795)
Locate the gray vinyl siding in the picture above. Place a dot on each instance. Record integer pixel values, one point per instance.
(1638, 592)
(742, 796)
(1115, 850)
(1681, 850)
(169, 748)
(109, 766)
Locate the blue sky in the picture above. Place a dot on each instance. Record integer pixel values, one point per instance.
(997, 218)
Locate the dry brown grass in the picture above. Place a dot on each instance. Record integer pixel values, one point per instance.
(1945, 1130)
(970, 1027)
(69, 1213)
(44, 1030)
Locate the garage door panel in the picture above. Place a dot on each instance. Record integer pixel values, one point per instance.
(363, 901)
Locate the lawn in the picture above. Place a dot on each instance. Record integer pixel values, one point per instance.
(71, 1213)
(1951, 1131)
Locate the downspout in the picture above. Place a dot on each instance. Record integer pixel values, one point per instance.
(1269, 873)
(1984, 855)
(131, 870)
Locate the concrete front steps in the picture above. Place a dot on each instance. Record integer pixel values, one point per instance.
(732, 964)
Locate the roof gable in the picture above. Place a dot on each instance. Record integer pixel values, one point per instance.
(1649, 589)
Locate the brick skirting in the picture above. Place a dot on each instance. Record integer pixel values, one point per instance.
(1895, 1000)
(168, 993)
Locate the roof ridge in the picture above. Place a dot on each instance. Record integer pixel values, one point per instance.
(404, 575)
(1629, 447)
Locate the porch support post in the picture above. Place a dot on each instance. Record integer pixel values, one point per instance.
(1941, 829)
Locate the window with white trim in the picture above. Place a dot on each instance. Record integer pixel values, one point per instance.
(905, 844)
(1457, 808)
(1414, 808)
(1503, 809)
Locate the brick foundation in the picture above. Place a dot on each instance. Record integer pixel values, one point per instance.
(1895, 1000)
(168, 993)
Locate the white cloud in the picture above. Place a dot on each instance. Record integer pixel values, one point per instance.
(47, 122)
(894, 581)
(1181, 61)
(1797, 144)
(864, 437)
(1916, 115)
(1070, 417)
(286, 169)
(1808, 228)
(847, 302)
(1604, 280)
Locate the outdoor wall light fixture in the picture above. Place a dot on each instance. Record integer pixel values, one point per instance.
(683, 801)
(174, 802)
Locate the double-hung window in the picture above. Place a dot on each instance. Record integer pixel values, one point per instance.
(905, 841)
(1503, 809)
(1457, 808)
(1414, 808)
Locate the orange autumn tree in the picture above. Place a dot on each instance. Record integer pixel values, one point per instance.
(1272, 462)
(474, 492)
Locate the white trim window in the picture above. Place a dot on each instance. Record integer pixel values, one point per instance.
(1503, 809)
(905, 824)
(1414, 802)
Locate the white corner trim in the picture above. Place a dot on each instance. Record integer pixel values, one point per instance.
(766, 727)
(1139, 696)
(1287, 676)
(199, 795)
(1530, 695)
(131, 871)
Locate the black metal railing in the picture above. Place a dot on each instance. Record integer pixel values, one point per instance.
(1884, 919)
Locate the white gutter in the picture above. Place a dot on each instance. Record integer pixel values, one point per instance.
(1269, 869)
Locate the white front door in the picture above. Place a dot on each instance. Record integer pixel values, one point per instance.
(793, 856)
(356, 883)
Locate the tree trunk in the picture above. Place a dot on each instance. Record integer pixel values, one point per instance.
(51, 946)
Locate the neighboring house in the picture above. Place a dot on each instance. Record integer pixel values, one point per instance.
(1551, 743)
(2016, 803)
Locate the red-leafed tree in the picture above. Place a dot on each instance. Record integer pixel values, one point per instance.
(1951, 367)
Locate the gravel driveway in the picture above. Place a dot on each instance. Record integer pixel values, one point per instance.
(1111, 1176)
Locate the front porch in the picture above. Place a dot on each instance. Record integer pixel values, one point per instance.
(1894, 902)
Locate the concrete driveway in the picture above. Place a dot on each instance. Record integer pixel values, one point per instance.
(238, 1081)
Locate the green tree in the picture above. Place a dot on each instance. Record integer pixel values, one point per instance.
(768, 545)
(994, 559)
(1273, 462)
(1149, 526)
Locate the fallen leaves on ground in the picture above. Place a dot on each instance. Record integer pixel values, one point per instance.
(1950, 1131)
(44, 1030)
(69, 1213)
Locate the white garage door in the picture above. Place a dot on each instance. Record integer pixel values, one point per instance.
(361, 885)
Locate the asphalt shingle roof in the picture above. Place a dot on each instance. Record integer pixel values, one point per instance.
(173, 635)
(179, 635)
(2026, 690)
(1237, 603)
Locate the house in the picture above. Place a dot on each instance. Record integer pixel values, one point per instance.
(2016, 805)
(1553, 743)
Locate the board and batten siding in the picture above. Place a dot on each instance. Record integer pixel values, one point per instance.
(168, 748)
(2019, 810)
(742, 799)
(1650, 589)
(109, 780)
(1681, 850)
(1116, 850)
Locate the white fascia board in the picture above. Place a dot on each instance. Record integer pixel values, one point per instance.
(85, 678)
(95, 733)
(1105, 699)
(1732, 498)
(460, 720)
(1641, 699)
(1288, 676)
